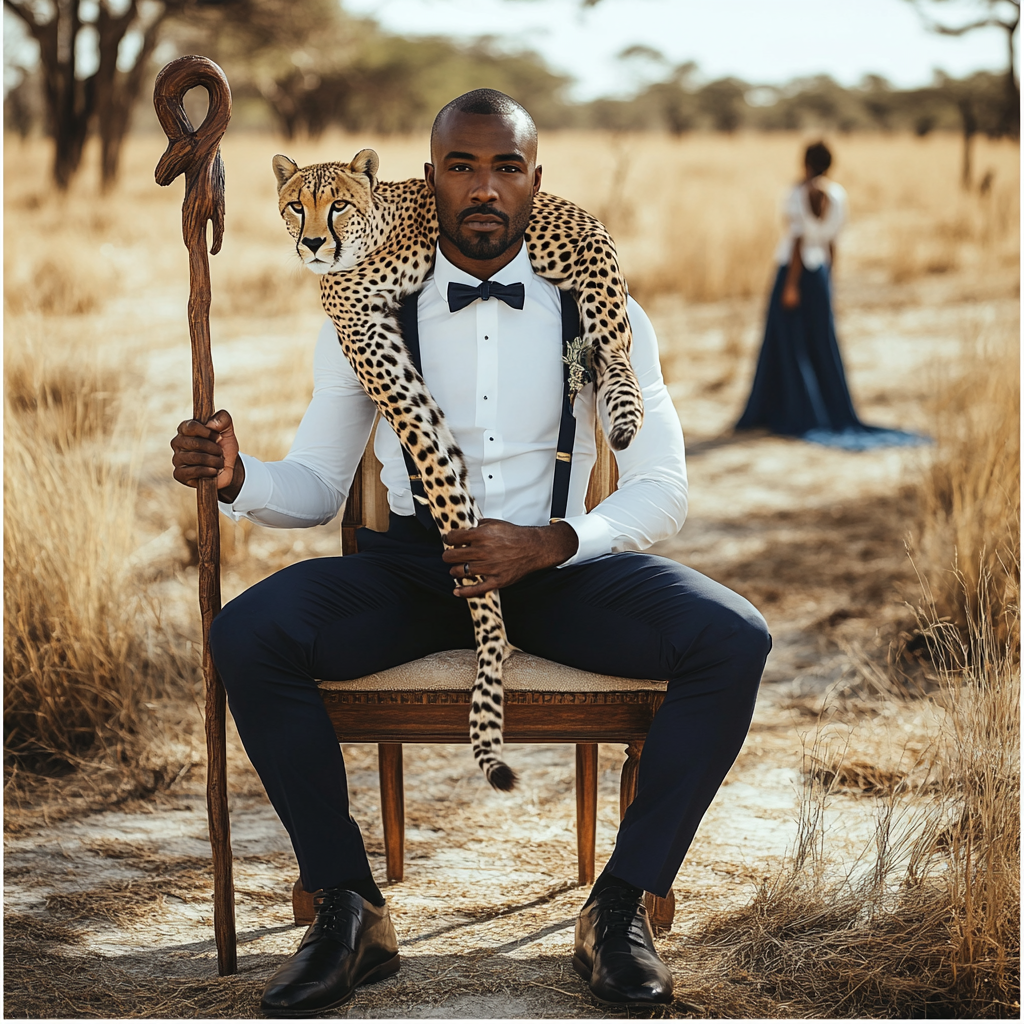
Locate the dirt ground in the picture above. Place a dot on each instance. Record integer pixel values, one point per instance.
(109, 914)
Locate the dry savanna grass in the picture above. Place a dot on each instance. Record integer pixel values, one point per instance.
(68, 394)
(84, 649)
(100, 545)
(969, 500)
(696, 216)
(926, 922)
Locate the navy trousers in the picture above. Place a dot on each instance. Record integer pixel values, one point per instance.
(628, 614)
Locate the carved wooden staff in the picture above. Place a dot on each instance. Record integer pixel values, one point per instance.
(195, 152)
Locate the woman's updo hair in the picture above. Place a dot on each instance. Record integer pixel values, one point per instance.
(818, 158)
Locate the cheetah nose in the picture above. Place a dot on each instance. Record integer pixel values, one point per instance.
(312, 244)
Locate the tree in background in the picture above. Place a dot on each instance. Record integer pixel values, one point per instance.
(123, 36)
(316, 66)
(1004, 14)
(725, 103)
(289, 53)
(671, 94)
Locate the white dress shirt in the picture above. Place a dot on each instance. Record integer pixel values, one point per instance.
(815, 233)
(497, 374)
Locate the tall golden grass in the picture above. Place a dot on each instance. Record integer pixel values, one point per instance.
(927, 922)
(68, 397)
(969, 498)
(83, 649)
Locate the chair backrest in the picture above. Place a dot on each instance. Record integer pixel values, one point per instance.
(367, 503)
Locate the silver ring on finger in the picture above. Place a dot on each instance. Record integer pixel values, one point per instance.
(466, 570)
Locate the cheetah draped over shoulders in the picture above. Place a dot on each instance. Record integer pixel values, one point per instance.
(373, 242)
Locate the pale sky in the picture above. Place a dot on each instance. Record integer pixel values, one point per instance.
(762, 41)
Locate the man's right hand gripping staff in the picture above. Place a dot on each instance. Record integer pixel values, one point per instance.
(205, 450)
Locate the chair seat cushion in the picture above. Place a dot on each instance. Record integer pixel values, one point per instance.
(456, 670)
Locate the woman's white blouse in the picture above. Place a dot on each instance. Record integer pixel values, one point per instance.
(497, 373)
(815, 234)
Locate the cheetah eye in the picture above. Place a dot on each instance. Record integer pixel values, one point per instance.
(338, 205)
(295, 207)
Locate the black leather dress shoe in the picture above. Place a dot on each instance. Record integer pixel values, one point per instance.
(615, 952)
(350, 943)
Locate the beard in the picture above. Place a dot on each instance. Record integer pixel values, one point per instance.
(477, 246)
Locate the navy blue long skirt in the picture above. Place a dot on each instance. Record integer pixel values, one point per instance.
(800, 387)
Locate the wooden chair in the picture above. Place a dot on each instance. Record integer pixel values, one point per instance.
(427, 701)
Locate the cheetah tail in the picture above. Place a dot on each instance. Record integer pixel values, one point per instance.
(500, 776)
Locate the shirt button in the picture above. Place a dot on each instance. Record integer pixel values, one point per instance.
(485, 398)
(486, 338)
(490, 476)
(490, 439)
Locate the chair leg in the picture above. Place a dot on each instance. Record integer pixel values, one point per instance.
(586, 810)
(392, 807)
(662, 911)
(303, 910)
(627, 785)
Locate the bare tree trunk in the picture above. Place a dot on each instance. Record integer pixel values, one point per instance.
(71, 104)
(70, 101)
(970, 128)
(124, 88)
(282, 103)
(110, 116)
(1011, 112)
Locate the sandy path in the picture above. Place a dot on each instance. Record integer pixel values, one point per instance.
(110, 915)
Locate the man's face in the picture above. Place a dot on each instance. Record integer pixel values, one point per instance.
(484, 175)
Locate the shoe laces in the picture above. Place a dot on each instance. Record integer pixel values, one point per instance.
(622, 916)
(331, 908)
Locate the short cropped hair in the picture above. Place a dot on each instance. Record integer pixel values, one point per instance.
(484, 101)
(818, 158)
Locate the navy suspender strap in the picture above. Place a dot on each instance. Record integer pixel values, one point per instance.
(408, 319)
(567, 426)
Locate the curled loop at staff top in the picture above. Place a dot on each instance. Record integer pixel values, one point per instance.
(194, 152)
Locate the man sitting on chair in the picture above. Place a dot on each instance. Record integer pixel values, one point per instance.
(578, 592)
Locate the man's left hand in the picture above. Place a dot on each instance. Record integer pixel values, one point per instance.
(502, 554)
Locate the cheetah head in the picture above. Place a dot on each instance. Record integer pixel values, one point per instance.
(326, 209)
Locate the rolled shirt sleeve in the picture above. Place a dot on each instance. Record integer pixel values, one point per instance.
(309, 486)
(651, 500)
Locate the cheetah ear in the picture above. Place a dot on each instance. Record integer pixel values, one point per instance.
(284, 170)
(366, 162)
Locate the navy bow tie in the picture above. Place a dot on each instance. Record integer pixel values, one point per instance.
(461, 295)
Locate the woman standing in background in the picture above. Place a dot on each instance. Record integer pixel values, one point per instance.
(800, 387)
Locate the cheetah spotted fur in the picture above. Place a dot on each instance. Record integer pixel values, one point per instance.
(373, 242)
